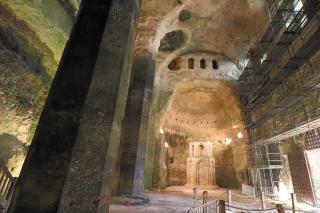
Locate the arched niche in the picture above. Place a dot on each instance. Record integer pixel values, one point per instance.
(190, 63)
(202, 63)
(175, 64)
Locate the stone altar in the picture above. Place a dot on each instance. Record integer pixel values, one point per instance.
(201, 166)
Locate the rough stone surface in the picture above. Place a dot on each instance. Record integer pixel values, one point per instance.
(39, 186)
(218, 26)
(134, 137)
(32, 37)
(90, 178)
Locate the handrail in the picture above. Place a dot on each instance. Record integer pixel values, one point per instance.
(7, 183)
(209, 207)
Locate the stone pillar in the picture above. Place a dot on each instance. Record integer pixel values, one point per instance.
(75, 147)
(138, 181)
(136, 124)
(89, 183)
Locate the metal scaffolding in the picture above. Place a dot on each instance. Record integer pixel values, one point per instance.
(266, 165)
(283, 51)
(277, 81)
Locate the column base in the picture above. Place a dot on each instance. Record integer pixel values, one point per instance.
(131, 200)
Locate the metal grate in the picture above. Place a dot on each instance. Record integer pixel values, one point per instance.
(312, 140)
(300, 177)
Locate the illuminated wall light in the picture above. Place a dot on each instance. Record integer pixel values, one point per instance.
(264, 57)
(239, 135)
(228, 141)
(298, 6)
(166, 144)
(161, 131)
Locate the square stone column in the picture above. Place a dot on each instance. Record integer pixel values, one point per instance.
(136, 126)
(71, 163)
(138, 180)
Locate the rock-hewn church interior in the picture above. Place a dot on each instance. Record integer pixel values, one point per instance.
(150, 106)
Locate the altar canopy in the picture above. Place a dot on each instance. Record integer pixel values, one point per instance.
(201, 165)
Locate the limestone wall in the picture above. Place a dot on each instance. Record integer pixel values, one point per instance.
(32, 38)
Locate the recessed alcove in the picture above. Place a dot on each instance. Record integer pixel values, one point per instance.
(190, 63)
(203, 64)
(215, 65)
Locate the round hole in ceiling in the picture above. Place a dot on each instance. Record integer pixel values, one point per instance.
(172, 41)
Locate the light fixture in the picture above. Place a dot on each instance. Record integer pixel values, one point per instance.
(228, 141)
(298, 6)
(263, 58)
(239, 135)
(166, 144)
(161, 131)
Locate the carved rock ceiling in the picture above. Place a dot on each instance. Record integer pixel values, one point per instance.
(220, 26)
(217, 27)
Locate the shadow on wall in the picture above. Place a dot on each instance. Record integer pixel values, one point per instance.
(12, 153)
(226, 176)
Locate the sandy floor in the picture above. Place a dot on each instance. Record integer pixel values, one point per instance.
(178, 199)
(173, 199)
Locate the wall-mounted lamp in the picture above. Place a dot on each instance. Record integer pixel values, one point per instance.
(227, 141)
(166, 144)
(239, 135)
(161, 131)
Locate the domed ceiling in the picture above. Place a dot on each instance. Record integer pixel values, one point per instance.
(203, 109)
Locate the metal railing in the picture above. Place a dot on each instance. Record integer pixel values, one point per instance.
(6, 186)
(209, 207)
(243, 203)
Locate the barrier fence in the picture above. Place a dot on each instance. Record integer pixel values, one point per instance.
(250, 204)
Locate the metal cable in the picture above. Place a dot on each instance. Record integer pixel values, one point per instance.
(243, 195)
(317, 207)
(261, 210)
